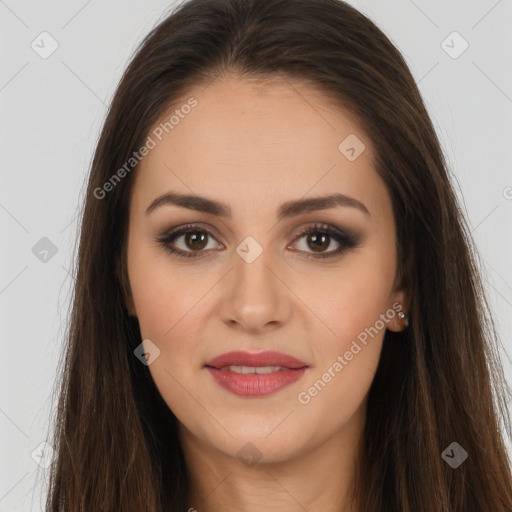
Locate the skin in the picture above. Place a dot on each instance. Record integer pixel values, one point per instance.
(254, 147)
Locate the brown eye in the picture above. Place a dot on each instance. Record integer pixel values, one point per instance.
(196, 240)
(188, 242)
(317, 242)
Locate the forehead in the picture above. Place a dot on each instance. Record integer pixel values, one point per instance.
(249, 141)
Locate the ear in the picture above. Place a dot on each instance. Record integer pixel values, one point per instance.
(400, 302)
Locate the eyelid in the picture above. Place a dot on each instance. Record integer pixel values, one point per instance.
(199, 226)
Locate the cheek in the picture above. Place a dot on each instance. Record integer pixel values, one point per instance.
(161, 295)
(169, 306)
(353, 306)
(349, 300)
(347, 360)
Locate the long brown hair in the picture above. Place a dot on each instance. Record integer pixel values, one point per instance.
(440, 381)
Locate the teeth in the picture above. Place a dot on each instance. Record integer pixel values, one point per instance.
(253, 369)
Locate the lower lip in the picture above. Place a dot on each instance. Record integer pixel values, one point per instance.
(254, 384)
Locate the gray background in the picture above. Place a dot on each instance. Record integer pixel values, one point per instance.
(52, 110)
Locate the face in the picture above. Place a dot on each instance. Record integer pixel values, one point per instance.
(256, 280)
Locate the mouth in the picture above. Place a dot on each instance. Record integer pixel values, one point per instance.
(262, 360)
(255, 375)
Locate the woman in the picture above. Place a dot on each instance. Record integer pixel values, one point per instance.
(277, 305)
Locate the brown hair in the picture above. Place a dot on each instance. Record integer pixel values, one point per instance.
(439, 381)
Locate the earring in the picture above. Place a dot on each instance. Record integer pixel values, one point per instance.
(404, 317)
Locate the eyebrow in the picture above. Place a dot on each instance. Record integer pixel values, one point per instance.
(286, 210)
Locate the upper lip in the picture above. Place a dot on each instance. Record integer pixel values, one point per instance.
(267, 358)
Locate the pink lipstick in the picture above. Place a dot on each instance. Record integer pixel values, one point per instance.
(246, 374)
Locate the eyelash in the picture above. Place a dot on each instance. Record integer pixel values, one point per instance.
(347, 240)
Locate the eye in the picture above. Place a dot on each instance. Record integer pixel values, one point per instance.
(319, 238)
(194, 238)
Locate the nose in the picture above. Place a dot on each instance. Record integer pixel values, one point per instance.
(255, 297)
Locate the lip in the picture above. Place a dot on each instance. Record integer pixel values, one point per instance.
(256, 385)
(267, 358)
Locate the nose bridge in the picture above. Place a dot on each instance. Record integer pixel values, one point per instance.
(252, 262)
(255, 297)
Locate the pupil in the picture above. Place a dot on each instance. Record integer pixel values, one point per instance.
(196, 238)
(322, 245)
